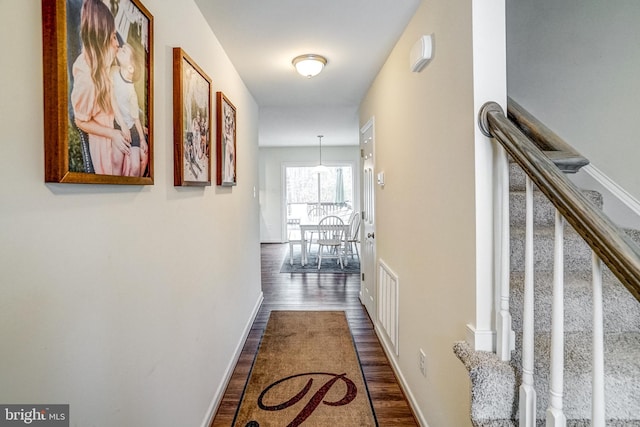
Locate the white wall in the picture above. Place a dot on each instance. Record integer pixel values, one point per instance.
(127, 302)
(575, 66)
(426, 212)
(271, 160)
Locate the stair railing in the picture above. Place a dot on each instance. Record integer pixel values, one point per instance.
(545, 161)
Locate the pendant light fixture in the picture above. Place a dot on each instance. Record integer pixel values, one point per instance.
(309, 65)
(320, 168)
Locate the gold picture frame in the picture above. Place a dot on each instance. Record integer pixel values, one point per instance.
(86, 128)
(226, 150)
(191, 122)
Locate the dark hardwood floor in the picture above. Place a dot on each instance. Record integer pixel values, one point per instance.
(319, 292)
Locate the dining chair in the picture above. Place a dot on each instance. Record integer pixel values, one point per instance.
(330, 239)
(353, 235)
(316, 211)
(315, 214)
(294, 237)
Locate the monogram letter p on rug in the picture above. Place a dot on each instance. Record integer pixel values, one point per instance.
(306, 373)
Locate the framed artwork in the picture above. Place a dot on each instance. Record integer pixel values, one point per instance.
(226, 142)
(98, 85)
(191, 122)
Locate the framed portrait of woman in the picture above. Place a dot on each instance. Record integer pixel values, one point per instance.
(226, 141)
(98, 85)
(191, 122)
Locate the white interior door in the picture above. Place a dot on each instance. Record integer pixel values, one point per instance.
(368, 229)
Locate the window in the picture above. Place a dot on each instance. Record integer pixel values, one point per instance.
(331, 189)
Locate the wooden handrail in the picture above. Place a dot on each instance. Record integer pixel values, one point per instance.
(605, 238)
(559, 152)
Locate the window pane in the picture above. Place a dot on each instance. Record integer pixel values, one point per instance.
(302, 185)
(337, 186)
(334, 192)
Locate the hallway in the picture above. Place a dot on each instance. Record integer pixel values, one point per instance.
(319, 292)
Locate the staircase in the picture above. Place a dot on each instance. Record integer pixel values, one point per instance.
(495, 383)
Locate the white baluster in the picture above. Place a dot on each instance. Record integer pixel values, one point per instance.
(527, 392)
(503, 321)
(598, 415)
(555, 415)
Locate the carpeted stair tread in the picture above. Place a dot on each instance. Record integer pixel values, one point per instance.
(493, 392)
(621, 309)
(542, 423)
(494, 397)
(543, 209)
(634, 234)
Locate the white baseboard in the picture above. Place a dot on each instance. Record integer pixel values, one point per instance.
(217, 397)
(619, 205)
(614, 188)
(481, 340)
(388, 349)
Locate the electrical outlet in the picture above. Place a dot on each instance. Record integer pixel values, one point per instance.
(422, 362)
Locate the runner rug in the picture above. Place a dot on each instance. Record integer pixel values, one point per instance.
(306, 373)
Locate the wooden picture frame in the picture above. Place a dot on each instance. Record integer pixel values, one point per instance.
(87, 138)
(191, 122)
(226, 172)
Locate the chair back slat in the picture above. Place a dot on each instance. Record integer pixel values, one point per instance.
(331, 228)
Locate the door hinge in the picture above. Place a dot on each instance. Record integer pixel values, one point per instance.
(362, 153)
(364, 215)
(363, 277)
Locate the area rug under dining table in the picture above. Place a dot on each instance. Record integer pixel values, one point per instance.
(306, 372)
(328, 266)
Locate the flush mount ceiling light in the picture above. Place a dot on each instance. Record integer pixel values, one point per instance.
(309, 65)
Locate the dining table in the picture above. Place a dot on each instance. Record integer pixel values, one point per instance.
(311, 225)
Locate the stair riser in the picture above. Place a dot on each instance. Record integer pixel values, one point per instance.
(517, 177)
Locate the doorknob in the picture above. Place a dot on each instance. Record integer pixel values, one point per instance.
(371, 235)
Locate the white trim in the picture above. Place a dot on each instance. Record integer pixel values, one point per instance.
(618, 192)
(489, 84)
(618, 204)
(403, 383)
(391, 320)
(217, 397)
(481, 340)
(283, 202)
(373, 314)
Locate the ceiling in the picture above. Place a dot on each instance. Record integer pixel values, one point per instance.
(261, 37)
